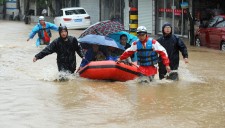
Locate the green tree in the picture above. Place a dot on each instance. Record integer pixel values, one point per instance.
(1, 2)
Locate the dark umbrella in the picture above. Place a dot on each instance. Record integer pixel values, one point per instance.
(103, 28)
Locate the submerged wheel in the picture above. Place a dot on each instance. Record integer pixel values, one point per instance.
(197, 42)
(223, 46)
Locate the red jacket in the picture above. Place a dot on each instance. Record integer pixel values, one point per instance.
(148, 70)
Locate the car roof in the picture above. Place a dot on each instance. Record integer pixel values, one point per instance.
(220, 15)
(70, 8)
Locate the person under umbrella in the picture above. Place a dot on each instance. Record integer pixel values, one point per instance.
(113, 53)
(94, 53)
(125, 39)
(100, 45)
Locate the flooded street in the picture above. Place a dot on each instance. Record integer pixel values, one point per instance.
(31, 96)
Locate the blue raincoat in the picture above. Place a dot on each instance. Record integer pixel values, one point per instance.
(39, 29)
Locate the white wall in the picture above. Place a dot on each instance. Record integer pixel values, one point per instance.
(33, 6)
(92, 8)
(22, 6)
(145, 14)
(126, 15)
(11, 7)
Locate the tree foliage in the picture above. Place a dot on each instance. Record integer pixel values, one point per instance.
(1, 2)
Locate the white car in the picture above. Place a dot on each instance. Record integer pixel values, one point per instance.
(73, 18)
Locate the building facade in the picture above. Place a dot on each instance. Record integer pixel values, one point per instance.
(171, 11)
(7, 8)
(151, 13)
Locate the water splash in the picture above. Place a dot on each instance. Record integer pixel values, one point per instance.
(51, 74)
(186, 77)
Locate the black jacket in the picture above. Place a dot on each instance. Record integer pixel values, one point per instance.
(66, 57)
(173, 45)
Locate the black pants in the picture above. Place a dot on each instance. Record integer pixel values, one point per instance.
(163, 71)
(66, 67)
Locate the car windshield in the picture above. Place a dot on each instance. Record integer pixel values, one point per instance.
(75, 12)
(221, 24)
(215, 20)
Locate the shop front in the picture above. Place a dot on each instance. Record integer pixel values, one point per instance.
(173, 12)
(112, 10)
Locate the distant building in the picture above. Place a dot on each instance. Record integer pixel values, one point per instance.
(8, 8)
(151, 13)
(1, 9)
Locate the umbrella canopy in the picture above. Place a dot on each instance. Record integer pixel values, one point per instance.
(103, 28)
(131, 38)
(100, 40)
(116, 36)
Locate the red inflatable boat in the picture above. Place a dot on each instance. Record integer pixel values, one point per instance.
(109, 70)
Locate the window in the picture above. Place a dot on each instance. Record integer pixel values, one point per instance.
(212, 21)
(171, 11)
(215, 20)
(74, 12)
(221, 24)
(112, 10)
(220, 19)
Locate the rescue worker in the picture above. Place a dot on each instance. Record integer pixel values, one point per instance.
(173, 45)
(65, 47)
(147, 57)
(43, 29)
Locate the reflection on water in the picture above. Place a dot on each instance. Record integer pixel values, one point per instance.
(32, 96)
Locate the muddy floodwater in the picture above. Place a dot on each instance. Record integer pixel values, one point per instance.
(31, 96)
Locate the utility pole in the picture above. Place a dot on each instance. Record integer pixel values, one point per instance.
(192, 29)
(4, 9)
(27, 8)
(133, 16)
(191, 18)
(49, 4)
(18, 7)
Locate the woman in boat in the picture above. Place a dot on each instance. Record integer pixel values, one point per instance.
(94, 53)
(113, 53)
(124, 42)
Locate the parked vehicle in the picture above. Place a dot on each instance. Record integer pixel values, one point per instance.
(212, 34)
(73, 18)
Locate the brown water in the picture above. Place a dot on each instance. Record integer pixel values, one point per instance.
(31, 98)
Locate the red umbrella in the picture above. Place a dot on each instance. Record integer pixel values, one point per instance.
(103, 28)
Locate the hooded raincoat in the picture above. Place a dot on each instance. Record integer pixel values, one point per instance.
(44, 32)
(173, 45)
(65, 50)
